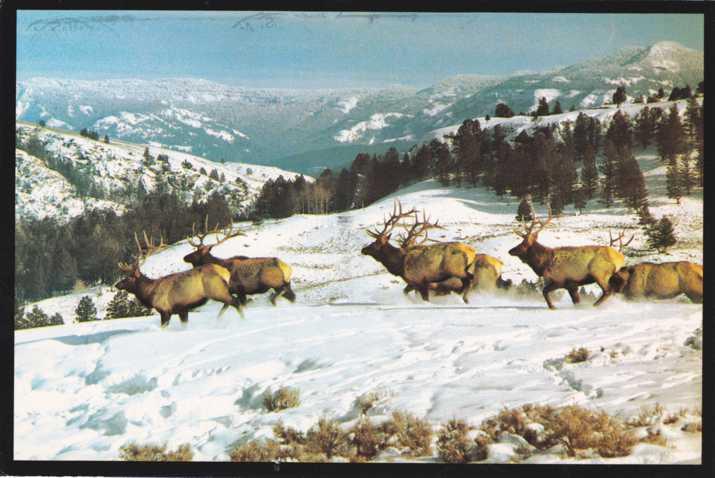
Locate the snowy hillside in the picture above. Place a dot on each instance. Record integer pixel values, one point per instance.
(84, 390)
(513, 126)
(115, 170)
(272, 126)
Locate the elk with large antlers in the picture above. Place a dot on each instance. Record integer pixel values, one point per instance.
(423, 267)
(567, 267)
(176, 293)
(249, 275)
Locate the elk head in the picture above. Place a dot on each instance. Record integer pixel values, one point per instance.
(202, 250)
(529, 236)
(133, 271)
(618, 281)
(382, 237)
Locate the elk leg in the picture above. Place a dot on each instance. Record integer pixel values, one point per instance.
(165, 316)
(466, 286)
(573, 292)
(606, 291)
(424, 291)
(184, 316)
(408, 288)
(288, 292)
(549, 287)
(277, 291)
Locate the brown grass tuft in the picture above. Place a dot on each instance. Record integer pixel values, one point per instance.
(328, 438)
(412, 433)
(150, 452)
(281, 399)
(454, 445)
(577, 355)
(655, 438)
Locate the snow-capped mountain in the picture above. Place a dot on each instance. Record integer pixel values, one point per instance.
(279, 127)
(72, 173)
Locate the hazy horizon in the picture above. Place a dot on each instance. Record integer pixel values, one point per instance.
(319, 50)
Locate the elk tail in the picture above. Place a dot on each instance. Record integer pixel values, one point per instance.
(285, 269)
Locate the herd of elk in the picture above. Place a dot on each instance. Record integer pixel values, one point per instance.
(249, 275)
(176, 293)
(441, 267)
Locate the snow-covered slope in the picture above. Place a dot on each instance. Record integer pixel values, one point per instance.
(83, 390)
(513, 126)
(115, 169)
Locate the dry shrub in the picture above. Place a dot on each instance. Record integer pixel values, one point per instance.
(647, 416)
(574, 427)
(366, 402)
(412, 433)
(454, 445)
(693, 427)
(577, 355)
(284, 397)
(655, 438)
(328, 438)
(150, 452)
(255, 451)
(367, 439)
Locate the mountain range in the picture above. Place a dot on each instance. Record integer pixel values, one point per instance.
(307, 130)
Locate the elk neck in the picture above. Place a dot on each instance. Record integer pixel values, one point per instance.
(144, 291)
(539, 257)
(393, 258)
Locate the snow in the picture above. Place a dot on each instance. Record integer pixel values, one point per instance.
(55, 123)
(224, 135)
(548, 93)
(352, 331)
(376, 122)
(86, 109)
(560, 79)
(346, 105)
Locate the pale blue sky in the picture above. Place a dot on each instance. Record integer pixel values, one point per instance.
(316, 50)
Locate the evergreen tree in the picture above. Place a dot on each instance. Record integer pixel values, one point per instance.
(619, 96)
(35, 318)
(504, 170)
(106, 139)
(608, 169)
(701, 88)
(661, 235)
(56, 319)
(557, 108)
(525, 211)
(673, 180)
(214, 175)
(661, 94)
(700, 147)
(634, 190)
(589, 173)
(443, 162)
(86, 310)
(670, 135)
(543, 107)
(422, 162)
(644, 127)
(692, 118)
(64, 269)
(580, 198)
(686, 176)
(619, 131)
(503, 111)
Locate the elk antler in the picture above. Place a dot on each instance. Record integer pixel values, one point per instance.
(418, 228)
(534, 222)
(143, 252)
(391, 222)
(226, 233)
(619, 240)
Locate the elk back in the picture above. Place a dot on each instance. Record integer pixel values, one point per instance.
(436, 262)
(578, 263)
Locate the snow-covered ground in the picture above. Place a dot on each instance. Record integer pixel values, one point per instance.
(83, 390)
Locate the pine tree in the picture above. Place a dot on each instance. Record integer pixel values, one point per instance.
(503, 111)
(670, 135)
(686, 176)
(692, 118)
(503, 169)
(700, 147)
(608, 169)
(106, 139)
(619, 131)
(64, 269)
(36, 318)
(644, 127)
(673, 180)
(634, 190)
(543, 107)
(580, 198)
(443, 160)
(214, 175)
(557, 108)
(118, 306)
(525, 211)
(86, 310)
(589, 173)
(661, 235)
(619, 96)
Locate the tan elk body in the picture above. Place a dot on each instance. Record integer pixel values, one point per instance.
(660, 281)
(567, 267)
(180, 292)
(249, 275)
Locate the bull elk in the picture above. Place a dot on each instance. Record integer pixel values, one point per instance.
(423, 267)
(567, 267)
(249, 275)
(176, 293)
(661, 281)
